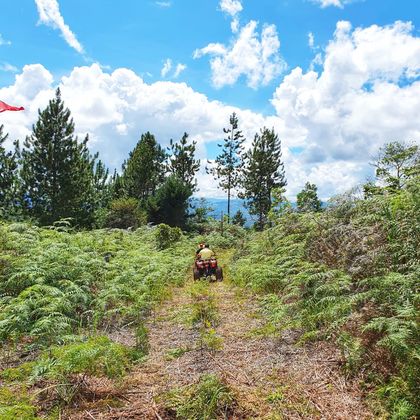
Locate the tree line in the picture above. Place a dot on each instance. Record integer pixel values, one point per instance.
(54, 176)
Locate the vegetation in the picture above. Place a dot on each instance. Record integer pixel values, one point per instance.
(263, 173)
(57, 170)
(347, 274)
(228, 165)
(307, 199)
(350, 275)
(62, 291)
(209, 399)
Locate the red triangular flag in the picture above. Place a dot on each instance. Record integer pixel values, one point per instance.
(5, 107)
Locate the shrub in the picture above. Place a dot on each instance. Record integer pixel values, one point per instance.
(125, 213)
(166, 236)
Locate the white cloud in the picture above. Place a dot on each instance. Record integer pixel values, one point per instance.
(8, 67)
(365, 94)
(179, 69)
(49, 14)
(252, 55)
(163, 4)
(4, 41)
(232, 8)
(336, 3)
(167, 66)
(311, 40)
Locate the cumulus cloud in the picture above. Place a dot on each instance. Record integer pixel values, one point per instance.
(252, 55)
(366, 94)
(331, 122)
(311, 40)
(49, 14)
(4, 41)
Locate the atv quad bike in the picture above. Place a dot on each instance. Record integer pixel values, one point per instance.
(208, 269)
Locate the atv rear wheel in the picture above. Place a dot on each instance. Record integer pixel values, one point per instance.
(219, 274)
(196, 274)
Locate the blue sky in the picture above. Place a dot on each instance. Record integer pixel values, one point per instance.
(140, 36)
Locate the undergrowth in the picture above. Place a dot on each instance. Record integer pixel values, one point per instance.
(209, 399)
(62, 292)
(350, 275)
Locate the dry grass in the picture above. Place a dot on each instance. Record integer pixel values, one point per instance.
(270, 377)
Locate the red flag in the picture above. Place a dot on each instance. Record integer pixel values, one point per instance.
(5, 107)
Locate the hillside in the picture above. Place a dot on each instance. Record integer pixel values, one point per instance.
(316, 318)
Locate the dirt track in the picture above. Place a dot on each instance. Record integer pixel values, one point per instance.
(272, 377)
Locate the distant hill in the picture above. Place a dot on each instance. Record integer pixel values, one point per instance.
(219, 205)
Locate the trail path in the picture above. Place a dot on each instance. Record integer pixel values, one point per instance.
(272, 377)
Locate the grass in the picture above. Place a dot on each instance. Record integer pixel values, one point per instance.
(210, 398)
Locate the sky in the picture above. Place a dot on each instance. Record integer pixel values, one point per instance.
(336, 79)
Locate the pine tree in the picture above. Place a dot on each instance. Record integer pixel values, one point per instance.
(229, 162)
(239, 218)
(182, 162)
(397, 162)
(57, 169)
(8, 177)
(101, 184)
(170, 204)
(144, 170)
(307, 199)
(264, 171)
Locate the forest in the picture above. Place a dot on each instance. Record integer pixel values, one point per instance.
(317, 316)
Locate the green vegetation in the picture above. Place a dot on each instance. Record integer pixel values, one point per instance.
(62, 291)
(349, 274)
(227, 170)
(208, 399)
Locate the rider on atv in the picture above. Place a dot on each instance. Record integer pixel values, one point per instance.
(206, 264)
(206, 253)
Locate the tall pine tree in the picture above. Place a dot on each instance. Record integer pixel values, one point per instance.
(144, 170)
(182, 162)
(57, 169)
(228, 165)
(8, 177)
(264, 171)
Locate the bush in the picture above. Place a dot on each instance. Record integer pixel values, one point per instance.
(125, 213)
(98, 356)
(166, 236)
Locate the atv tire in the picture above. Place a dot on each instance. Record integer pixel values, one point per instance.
(219, 274)
(196, 274)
